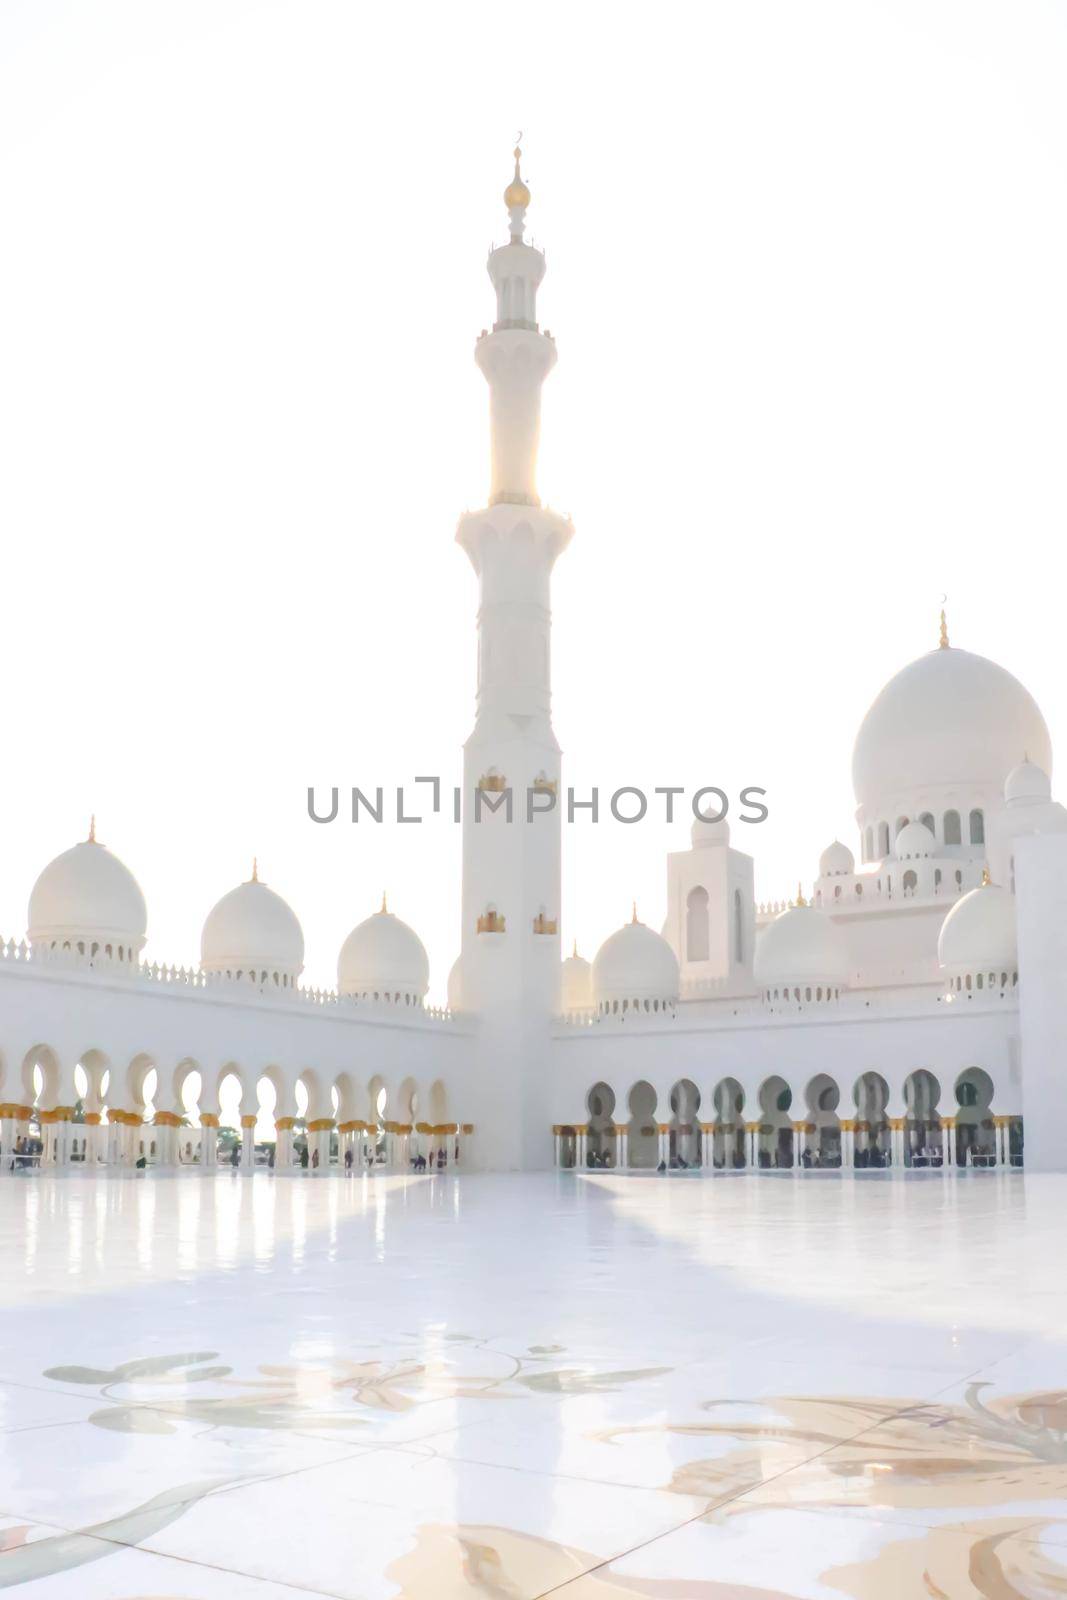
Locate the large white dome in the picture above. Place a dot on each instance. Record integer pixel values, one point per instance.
(950, 720)
(635, 967)
(384, 959)
(801, 946)
(978, 935)
(88, 896)
(253, 931)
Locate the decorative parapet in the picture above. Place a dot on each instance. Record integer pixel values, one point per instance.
(491, 921)
(492, 783)
(543, 785)
(543, 924)
(192, 980)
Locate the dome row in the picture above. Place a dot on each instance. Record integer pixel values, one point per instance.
(88, 900)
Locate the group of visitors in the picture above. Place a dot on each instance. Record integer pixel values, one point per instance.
(27, 1152)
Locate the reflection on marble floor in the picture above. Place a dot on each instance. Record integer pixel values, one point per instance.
(514, 1386)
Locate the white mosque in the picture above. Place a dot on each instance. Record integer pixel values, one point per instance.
(908, 1013)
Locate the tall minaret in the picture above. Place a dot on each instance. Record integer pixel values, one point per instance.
(510, 954)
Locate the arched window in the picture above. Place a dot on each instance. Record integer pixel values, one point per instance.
(696, 925)
(739, 929)
(927, 821)
(952, 828)
(910, 882)
(883, 838)
(868, 845)
(977, 827)
(902, 822)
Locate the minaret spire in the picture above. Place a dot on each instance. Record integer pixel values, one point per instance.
(517, 198)
(516, 357)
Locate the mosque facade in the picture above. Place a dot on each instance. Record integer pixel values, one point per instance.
(905, 1013)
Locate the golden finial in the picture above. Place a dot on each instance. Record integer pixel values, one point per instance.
(255, 869)
(385, 906)
(516, 195)
(634, 917)
(92, 829)
(986, 879)
(574, 952)
(943, 641)
(800, 900)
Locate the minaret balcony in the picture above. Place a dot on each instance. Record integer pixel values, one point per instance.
(491, 921)
(543, 924)
(492, 783)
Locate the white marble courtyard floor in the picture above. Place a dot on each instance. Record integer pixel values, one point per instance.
(688, 1388)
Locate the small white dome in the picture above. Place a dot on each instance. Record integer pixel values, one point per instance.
(1026, 783)
(836, 861)
(708, 833)
(252, 930)
(914, 842)
(382, 959)
(88, 896)
(633, 966)
(576, 981)
(801, 946)
(978, 935)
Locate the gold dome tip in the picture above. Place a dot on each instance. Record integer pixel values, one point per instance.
(986, 879)
(634, 917)
(385, 906)
(92, 830)
(255, 870)
(943, 643)
(516, 195)
(800, 895)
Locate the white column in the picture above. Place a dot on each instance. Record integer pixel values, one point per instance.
(8, 1140)
(248, 1140)
(622, 1145)
(283, 1145)
(798, 1145)
(948, 1144)
(752, 1146)
(166, 1136)
(580, 1132)
(848, 1146)
(557, 1145)
(896, 1142)
(209, 1142)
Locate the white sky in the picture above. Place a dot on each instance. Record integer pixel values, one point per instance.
(806, 274)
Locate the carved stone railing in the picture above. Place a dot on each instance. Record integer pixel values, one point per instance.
(192, 979)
